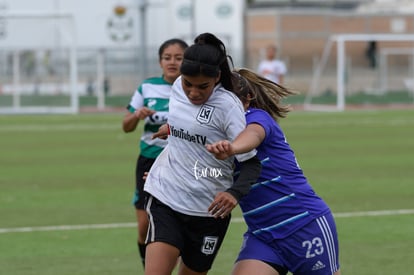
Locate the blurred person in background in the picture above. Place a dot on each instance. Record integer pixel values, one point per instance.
(149, 103)
(271, 67)
(290, 228)
(371, 54)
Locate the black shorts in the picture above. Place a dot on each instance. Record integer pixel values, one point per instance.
(197, 238)
(143, 165)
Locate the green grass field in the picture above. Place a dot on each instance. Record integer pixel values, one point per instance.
(78, 170)
(327, 97)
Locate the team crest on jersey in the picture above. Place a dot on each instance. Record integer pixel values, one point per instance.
(205, 114)
(152, 102)
(209, 245)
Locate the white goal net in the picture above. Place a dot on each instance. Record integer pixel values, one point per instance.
(341, 76)
(38, 67)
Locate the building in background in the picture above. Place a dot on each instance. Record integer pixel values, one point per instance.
(126, 32)
(100, 25)
(117, 40)
(302, 30)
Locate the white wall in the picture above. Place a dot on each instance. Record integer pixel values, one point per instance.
(164, 19)
(224, 18)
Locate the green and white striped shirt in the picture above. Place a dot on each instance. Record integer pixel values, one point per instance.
(153, 93)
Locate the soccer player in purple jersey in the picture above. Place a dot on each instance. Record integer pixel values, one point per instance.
(290, 228)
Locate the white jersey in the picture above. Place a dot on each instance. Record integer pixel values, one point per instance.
(272, 69)
(185, 176)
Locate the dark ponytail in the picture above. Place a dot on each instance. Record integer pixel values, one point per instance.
(208, 56)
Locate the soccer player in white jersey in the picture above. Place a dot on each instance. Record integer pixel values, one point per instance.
(290, 228)
(272, 68)
(186, 180)
(150, 104)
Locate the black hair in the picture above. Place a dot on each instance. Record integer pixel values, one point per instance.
(208, 56)
(170, 42)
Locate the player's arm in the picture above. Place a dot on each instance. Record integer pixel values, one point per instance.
(225, 202)
(251, 137)
(162, 132)
(131, 120)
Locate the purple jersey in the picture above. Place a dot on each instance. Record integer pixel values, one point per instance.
(282, 201)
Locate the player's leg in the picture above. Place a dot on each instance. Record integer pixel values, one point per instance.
(160, 259)
(143, 165)
(202, 242)
(258, 257)
(248, 267)
(185, 270)
(164, 239)
(313, 249)
(142, 220)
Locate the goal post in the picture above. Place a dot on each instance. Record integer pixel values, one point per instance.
(38, 53)
(342, 63)
(384, 55)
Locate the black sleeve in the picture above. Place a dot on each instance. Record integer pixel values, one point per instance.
(249, 173)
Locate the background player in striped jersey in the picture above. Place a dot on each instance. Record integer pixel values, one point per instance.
(150, 104)
(290, 228)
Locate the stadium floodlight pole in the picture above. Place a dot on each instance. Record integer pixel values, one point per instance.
(142, 5)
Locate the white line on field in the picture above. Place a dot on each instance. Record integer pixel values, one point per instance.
(359, 122)
(67, 227)
(375, 213)
(234, 220)
(66, 127)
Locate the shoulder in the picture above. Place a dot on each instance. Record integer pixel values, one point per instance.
(257, 113)
(259, 116)
(176, 86)
(177, 82)
(156, 80)
(226, 98)
(155, 83)
(264, 119)
(154, 87)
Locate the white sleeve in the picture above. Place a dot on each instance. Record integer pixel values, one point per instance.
(137, 100)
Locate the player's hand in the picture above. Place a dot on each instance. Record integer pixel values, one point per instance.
(145, 176)
(143, 112)
(221, 149)
(162, 132)
(222, 205)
